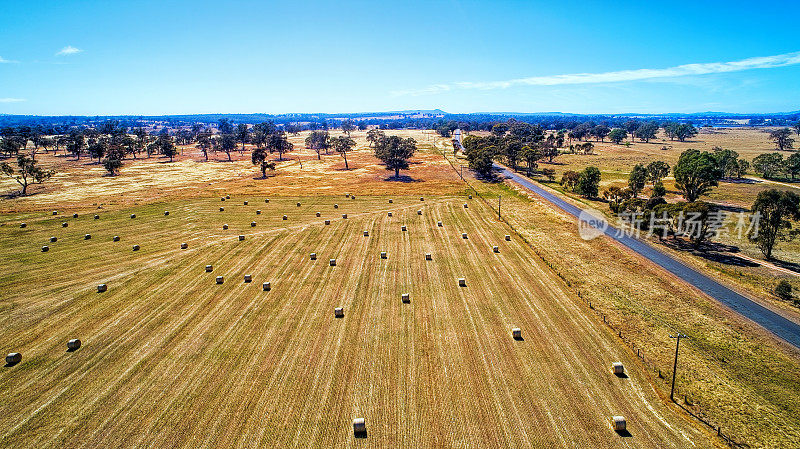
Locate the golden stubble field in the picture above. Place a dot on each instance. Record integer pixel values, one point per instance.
(172, 359)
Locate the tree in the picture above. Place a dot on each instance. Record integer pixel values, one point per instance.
(570, 179)
(27, 172)
(499, 129)
(348, 127)
(768, 164)
(511, 148)
(685, 131)
(784, 290)
(227, 143)
(549, 173)
(343, 145)
(75, 143)
(797, 127)
(741, 168)
(224, 126)
(659, 190)
(637, 179)
(727, 161)
(647, 131)
(373, 136)
(600, 132)
(112, 164)
(776, 209)
(395, 152)
(318, 141)
(97, 148)
(695, 174)
(278, 143)
(166, 145)
(617, 135)
(615, 196)
(782, 138)
(480, 152)
(531, 156)
(204, 143)
(242, 134)
(259, 157)
(656, 171)
(588, 182)
(792, 165)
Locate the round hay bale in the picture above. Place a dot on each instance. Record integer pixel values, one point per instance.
(23, 225)
(318, 214)
(508, 238)
(344, 216)
(359, 426)
(391, 201)
(184, 245)
(618, 368)
(55, 212)
(252, 224)
(327, 222)
(87, 236)
(101, 288)
(13, 358)
(332, 262)
(227, 196)
(390, 214)
(209, 268)
(298, 204)
(462, 282)
(222, 199)
(96, 217)
(224, 226)
(383, 254)
(285, 217)
(245, 203)
(352, 197)
(241, 238)
(419, 212)
(133, 216)
(220, 279)
(45, 248)
(64, 225)
(313, 256)
(516, 333)
(347, 195)
(421, 198)
(366, 233)
(222, 209)
(248, 278)
(464, 235)
(335, 206)
(405, 298)
(466, 206)
(266, 286)
(266, 200)
(166, 212)
(403, 228)
(73, 344)
(338, 312)
(428, 256)
(136, 247)
(53, 239)
(258, 212)
(619, 424)
(496, 249)
(75, 215)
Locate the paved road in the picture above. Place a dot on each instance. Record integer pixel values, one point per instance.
(773, 322)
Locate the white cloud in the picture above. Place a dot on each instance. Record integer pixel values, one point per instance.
(760, 62)
(6, 61)
(11, 100)
(68, 50)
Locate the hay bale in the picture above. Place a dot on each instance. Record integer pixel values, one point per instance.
(508, 238)
(220, 279)
(53, 239)
(136, 247)
(469, 197)
(496, 249)
(464, 235)
(222, 199)
(298, 204)
(313, 256)
(73, 344)
(327, 222)
(285, 217)
(101, 288)
(347, 195)
(618, 368)
(619, 424)
(419, 212)
(64, 225)
(403, 228)
(184, 245)
(75, 215)
(96, 217)
(222, 209)
(224, 226)
(344, 216)
(466, 206)
(258, 212)
(116, 239)
(332, 262)
(133, 216)
(462, 282)
(252, 224)
(45, 248)
(266, 200)
(516, 333)
(439, 223)
(228, 196)
(405, 298)
(338, 312)
(421, 198)
(318, 214)
(383, 254)
(359, 426)
(55, 212)
(390, 214)
(428, 256)
(391, 201)
(209, 268)
(248, 278)
(352, 197)
(13, 358)
(366, 233)
(241, 238)
(166, 212)
(335, 206)
(87, 236)
(23, 225)
(245, 203)
(266, 286)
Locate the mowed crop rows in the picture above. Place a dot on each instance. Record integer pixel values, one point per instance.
(170, 358)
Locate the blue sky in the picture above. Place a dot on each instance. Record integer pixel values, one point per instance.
(170, 57)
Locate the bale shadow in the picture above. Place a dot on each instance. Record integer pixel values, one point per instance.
(360, 434)
(624, 433)
(621, 375)
(10, 364)
(72, 349)
(519, 338)
(402, 178)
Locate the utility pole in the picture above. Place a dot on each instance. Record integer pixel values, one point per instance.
(499, 201)
(678, 336)
(462, 172)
